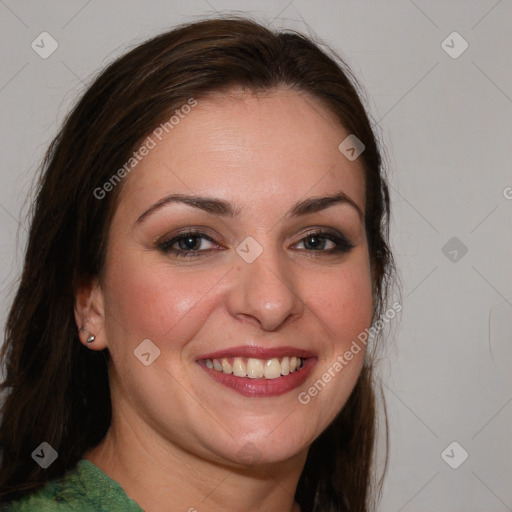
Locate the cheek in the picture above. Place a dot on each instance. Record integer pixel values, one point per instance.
(343, 301)
(155, 301)
(343, 304)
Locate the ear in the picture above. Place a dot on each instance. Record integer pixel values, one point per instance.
(90, 315)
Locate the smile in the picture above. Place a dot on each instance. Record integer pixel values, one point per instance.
(257, 368)
(259, 372)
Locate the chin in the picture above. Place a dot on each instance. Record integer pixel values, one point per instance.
(263, 448)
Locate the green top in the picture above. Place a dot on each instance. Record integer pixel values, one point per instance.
(83, 489)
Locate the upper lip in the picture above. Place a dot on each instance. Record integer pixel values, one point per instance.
(256, 352)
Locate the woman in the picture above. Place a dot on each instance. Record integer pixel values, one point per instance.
(206, 257)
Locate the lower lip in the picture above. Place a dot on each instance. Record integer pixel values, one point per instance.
(263, 387)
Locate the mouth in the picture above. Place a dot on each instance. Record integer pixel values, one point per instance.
(258, 372)
(252, 368)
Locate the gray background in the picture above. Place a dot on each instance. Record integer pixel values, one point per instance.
(447, 127)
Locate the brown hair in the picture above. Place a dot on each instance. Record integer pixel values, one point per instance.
(56, 390)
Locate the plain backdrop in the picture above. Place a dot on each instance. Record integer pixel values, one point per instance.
(444, 115)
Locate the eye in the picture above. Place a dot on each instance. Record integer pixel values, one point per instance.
(196, 244)
(325, 242)
(189, 244)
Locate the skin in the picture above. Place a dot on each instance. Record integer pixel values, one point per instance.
(177, 436)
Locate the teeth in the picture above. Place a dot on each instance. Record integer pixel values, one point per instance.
(226, 367)
(285, 366)
(239, 368)
(272, 369)
(257, 368)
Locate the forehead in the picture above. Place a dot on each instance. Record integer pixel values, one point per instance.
(248, 147)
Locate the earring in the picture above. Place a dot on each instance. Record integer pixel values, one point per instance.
(90, 338)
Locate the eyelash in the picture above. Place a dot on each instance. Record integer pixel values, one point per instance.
(343, 245)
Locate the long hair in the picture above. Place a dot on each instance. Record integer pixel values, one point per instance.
(56, 390)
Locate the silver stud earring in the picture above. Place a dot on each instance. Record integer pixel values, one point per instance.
(90, 338)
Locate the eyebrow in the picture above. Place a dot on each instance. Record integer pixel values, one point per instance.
(223, 208)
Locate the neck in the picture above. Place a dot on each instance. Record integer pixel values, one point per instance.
(160, 476)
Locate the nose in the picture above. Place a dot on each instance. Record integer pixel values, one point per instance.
(264, 292)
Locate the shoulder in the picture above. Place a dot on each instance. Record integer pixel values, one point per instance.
(83, 489)
(58, 495)
(43, 500)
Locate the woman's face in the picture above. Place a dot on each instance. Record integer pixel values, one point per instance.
(270, 275)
